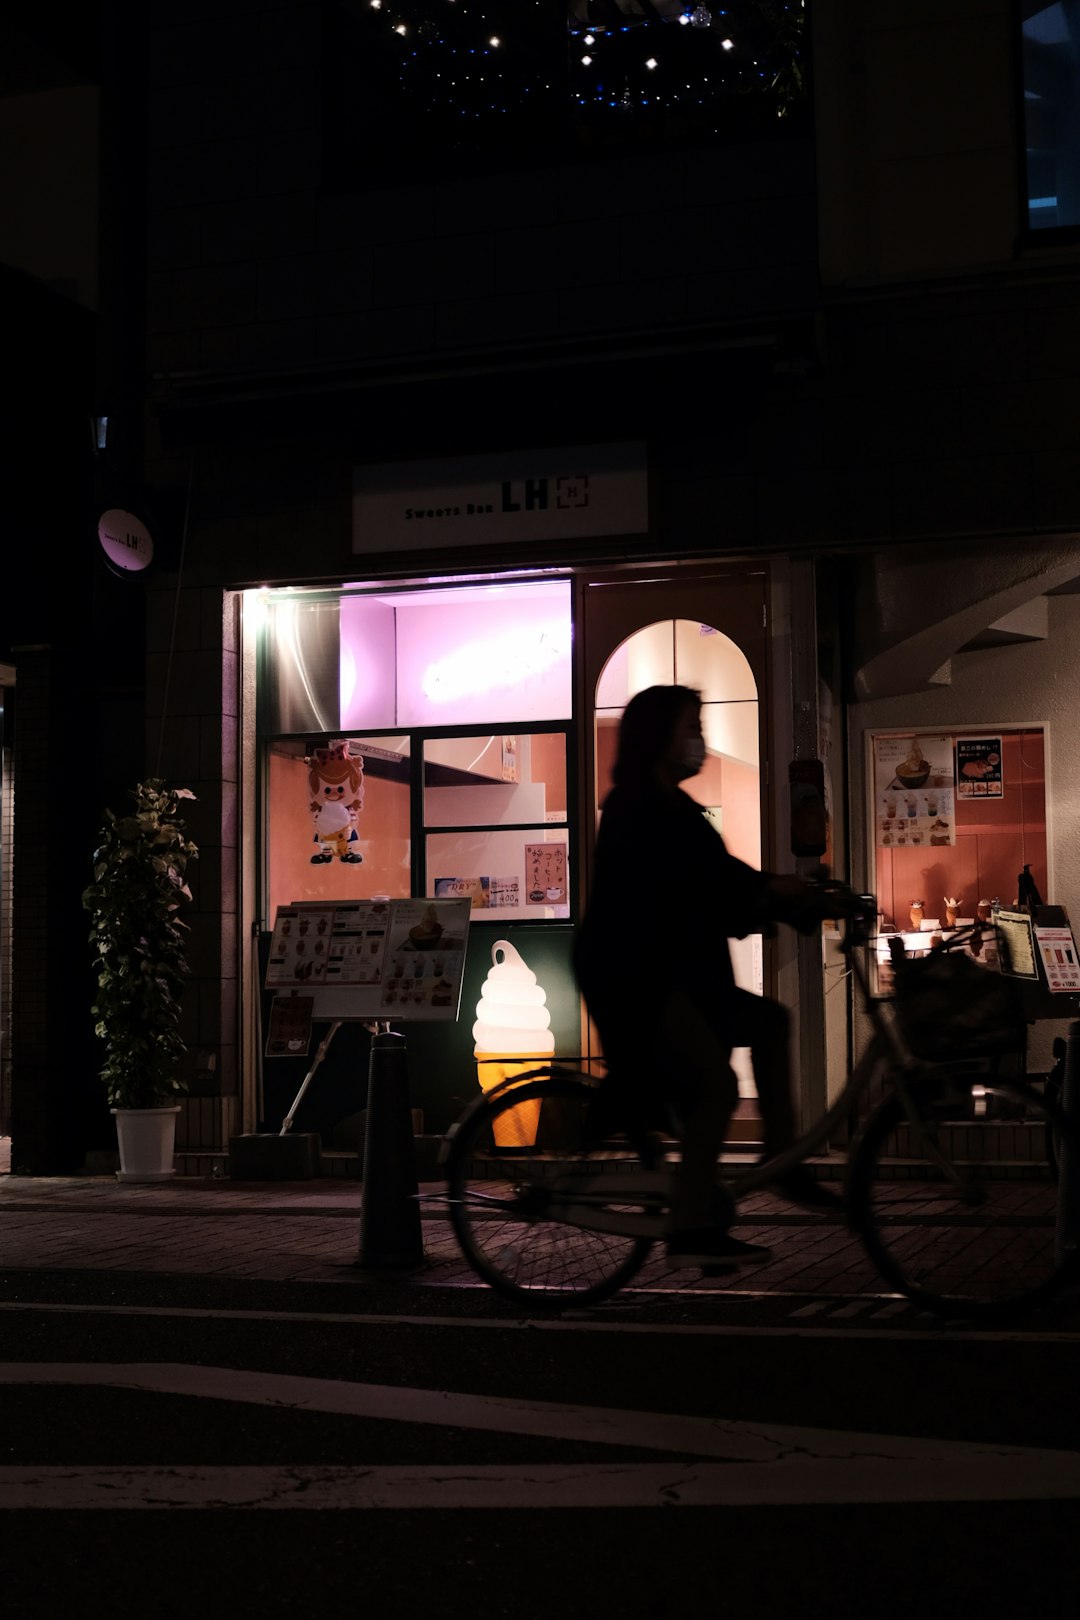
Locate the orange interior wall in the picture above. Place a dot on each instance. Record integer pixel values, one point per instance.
(548, 754)
(384, 841)
(994, 839)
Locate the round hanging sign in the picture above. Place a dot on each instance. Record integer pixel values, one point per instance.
(125, 541)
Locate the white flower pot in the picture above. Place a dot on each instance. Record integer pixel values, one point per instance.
(146, 1138)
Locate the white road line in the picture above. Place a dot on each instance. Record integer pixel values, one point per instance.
(567, 1487)
(582, 1322)
(733, 1440)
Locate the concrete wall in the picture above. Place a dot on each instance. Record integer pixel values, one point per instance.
(915, 106)
(253, 264)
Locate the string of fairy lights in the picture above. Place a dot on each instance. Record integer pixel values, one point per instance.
(472, 61)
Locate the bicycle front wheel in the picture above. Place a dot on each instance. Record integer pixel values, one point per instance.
(518, 1180)
(957, 1209)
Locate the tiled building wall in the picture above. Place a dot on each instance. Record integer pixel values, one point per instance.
(252, 264)
(7, 832)
(192, 711)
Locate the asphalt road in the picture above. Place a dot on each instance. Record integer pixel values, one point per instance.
(178, 1446)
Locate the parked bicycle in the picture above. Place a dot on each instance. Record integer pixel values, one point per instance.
(550, 1221)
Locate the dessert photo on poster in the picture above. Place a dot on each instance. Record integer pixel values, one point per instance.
(425, 953)
(914, 791)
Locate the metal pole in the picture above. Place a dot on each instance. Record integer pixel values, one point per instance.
(324, 1047)
(390, 1230)
(1068, 1203)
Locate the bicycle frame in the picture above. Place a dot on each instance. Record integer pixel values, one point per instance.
(583, 1198)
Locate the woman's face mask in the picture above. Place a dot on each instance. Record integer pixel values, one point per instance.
(693, 755)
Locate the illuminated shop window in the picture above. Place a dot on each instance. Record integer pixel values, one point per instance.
(361, 788)
(685, 652)
(502, 801)
(1050, 58)
(377, 782)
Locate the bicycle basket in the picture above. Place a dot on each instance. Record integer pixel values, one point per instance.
(949, 1008)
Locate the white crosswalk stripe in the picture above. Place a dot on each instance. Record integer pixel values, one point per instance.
(754, 1462)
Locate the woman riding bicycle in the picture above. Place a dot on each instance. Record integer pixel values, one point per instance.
(665, 966)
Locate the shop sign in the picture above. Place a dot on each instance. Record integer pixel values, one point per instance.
(125, 541)
(914, 791)
(978, 768)
(532, 495)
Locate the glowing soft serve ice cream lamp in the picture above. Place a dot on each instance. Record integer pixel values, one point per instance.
(511, 1034)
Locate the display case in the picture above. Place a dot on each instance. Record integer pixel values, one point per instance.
(959, 830)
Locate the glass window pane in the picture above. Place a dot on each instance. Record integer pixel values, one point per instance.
(337, 823)
(495, 779)
(484, 655)
(731, 729)
(647, 658)
(729, 783)
(302, 644)
(1051, 69)
(711, 663)
(505, 874)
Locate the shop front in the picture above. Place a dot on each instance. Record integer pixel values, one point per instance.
(964, 768)
(449, 734)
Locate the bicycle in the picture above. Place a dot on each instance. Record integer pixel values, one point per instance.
(551, 1221)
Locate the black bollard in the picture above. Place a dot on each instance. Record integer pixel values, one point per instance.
(1068, 1201)
(390, 1233)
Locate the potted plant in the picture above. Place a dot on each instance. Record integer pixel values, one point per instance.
(138, 940)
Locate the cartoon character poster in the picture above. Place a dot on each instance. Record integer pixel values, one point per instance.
(336, 786)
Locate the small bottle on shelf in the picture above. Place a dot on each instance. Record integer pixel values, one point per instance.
(1027, 895)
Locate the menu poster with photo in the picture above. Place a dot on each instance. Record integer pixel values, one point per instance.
(370, 959)
(300, 947)
(324, 945)
(914, 791)
(358, 942)
(978, 768)
(545, 874)
(425, 957)
(1057, 950)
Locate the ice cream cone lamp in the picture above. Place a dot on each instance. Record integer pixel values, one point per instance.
(511, 1034)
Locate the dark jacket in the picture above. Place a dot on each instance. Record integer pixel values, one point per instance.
(666, 897)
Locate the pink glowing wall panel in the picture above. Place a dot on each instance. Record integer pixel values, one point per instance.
(499, 657)
(368, 663)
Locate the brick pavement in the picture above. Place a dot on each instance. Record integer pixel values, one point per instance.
(309, 1232)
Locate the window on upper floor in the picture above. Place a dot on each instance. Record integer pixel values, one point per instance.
(422, 88)
(1050, 65)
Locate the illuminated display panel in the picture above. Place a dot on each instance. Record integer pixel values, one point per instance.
(353, 672)
(996, 834)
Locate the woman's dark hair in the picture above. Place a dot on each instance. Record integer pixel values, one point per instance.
(646, 729)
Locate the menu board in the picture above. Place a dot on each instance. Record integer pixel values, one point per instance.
(914, 791)
(1017, 954)
(1057, 950)
(373, 959)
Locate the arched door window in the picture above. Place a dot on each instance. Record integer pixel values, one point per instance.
(685, 652)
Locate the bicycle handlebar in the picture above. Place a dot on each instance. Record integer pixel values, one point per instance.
(858, 911)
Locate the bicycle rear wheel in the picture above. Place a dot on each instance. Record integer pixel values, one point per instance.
(517, 1171)
(961, 1215)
